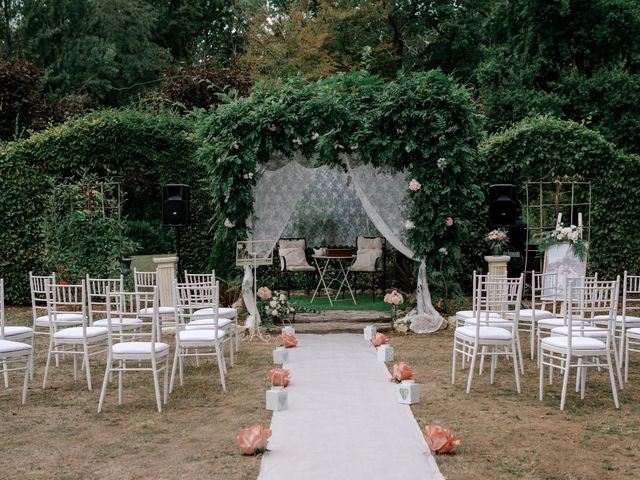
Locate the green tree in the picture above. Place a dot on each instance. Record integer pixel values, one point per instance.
(102, 48)
(576, 59)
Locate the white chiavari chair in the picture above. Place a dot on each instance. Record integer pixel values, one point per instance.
(82, 341)
(199, 341)
(147, 282)
(16, 333)
(494, 293)
(224, 313)
(15, 356)
(583, 300)
(140, 351)
(97, 305)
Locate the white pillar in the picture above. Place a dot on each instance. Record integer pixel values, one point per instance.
(497, 265)
(166, 274)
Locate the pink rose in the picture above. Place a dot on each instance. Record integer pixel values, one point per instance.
(449, 221)
(414, 185)
(264, 293)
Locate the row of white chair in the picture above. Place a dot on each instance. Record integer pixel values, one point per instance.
(82, 328)
(584, 329)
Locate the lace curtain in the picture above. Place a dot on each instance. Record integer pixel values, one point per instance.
(328, 206)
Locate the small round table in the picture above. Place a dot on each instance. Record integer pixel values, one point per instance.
(342, 276)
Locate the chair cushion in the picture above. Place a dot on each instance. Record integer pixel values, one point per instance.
(161, 310)
(366, 260)
(300, 268)
(549, 323)
(295, 259)
(207, 323)
(634, 332)
(7, 346)
(486, 333)
(200, 335)
(577, 343)
(133, 322)
(529, 313)
(61, 319)
(492, 323)
(464, 314)
(629, 320)
(592, 332)
(223, 312)
(74, 333)
(363, 243)
(15, 331)
(138, 348)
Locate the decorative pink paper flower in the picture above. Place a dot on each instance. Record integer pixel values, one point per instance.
(289, 340)
(279, 377)
(440, 439)
(402, 371)
(414, 185)
(253, 440)
(449, 221)
(264, 293)
(379, 339)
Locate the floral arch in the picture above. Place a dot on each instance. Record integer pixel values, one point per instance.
(422, 126)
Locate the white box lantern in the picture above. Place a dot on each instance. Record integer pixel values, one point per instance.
(408, 392)
(277, 399)
(290, 330)
(280, 355)
(369, 332)
(385, 353)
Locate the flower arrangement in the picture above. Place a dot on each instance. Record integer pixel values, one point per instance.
(279, 377)
(275, 306)
(440, 439)
(571, 235)
(379, 339)
(401, 371)
(394, 299)
(289, 340)
(497, 240)
(253, 440)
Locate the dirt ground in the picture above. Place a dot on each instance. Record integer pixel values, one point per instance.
(60, 435)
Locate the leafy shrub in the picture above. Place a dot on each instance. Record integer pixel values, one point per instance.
(544, 148)
(144, 149)
(148, 236)
(83, 230)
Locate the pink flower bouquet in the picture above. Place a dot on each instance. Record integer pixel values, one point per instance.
(401, 371)
(279, 377)
(253, 440)
(440, 439)
(379, 339)
(289, 340)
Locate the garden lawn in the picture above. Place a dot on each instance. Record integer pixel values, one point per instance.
(59, 434)
(321, 303)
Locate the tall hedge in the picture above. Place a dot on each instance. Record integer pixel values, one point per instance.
(145, 149)
(544, 148)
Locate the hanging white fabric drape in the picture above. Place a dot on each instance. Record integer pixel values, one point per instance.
(383, 195)
(276, 196)
(278, 193)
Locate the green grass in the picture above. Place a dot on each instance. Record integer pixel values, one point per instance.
(321, 303)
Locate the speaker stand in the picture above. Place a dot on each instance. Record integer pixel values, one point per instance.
(179, 253)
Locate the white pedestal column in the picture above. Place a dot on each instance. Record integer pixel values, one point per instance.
(166, 274)
(497, 264)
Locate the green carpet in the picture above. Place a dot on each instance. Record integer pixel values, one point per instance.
(320, 303)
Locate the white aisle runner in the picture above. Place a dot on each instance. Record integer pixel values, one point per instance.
(343, 421)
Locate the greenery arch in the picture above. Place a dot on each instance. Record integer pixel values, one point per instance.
(547, 148)
(422, 122)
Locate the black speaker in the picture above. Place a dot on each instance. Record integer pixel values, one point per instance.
(175, 205)
(503, 205)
